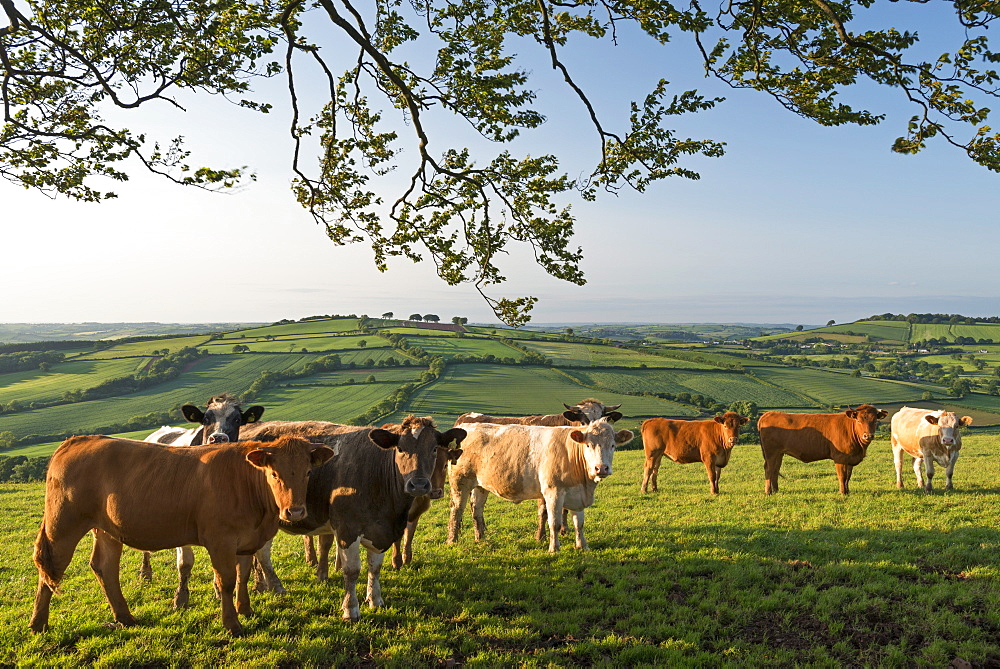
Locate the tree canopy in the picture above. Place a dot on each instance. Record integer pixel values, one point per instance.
(389, 64)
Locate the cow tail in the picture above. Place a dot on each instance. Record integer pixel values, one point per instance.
(43, 560)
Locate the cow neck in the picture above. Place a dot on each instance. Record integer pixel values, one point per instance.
(577, 463)
(259, 493)
(389, 485)
(199, 437)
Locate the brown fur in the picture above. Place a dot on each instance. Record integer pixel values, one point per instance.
(685, 441)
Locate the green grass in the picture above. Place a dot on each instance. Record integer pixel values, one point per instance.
(338, 404)
(38, 386)
(673, 578)
(145, 348)
(322, 326)
(314, 343)
(449, 347)
(721, 386)
(832, 388)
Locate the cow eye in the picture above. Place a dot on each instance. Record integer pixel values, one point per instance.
(274, 475)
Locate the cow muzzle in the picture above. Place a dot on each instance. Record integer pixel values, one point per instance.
(293, 514)
(218, 438)
(601, 472)
(417, 487)
(436, 493)
(947, 440)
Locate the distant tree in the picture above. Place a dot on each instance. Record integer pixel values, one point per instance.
(6, 439)
(745, 408)
(44, 366)
(387, 315)
(856, 373)
(457, 320)
(830, 322)
(432, 318)
(926, 397)
(241, 348)
(416, 317)
(370, 379)
(798, 328)
(959, 387)
(362, 343)
(569, 332)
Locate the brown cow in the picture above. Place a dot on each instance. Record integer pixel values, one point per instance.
(842, 437)
(227, 498)
(364, 493)
(402, 550)
(585, 412)
(686, 441)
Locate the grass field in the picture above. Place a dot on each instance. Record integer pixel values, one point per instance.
(674, 578)
(322, 326)
(449, 347)
(337, 404)
(831, 388)
(39, 386)
(144, 348)
(315, 343)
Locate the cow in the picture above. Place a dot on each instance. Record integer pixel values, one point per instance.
(364, 493)
(228, 498)
(220, 423)
(585, 412)
(927, 436)
(842, 437)
(519, 462)
(685, 441)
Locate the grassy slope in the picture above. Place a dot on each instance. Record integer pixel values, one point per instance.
(38, 386)
(674, 578)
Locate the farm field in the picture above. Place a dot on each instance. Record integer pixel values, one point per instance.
(831, 388)
(144, 348)
(721, 386)
(452, 346)
(337, 404)
(673, 578)
(321, 326)
(40, 386)
(315, 343)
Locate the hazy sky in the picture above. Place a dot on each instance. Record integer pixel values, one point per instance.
(797, 224)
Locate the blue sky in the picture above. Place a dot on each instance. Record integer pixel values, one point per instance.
(797, 223)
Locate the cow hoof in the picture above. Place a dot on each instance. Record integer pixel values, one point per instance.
(351, 617)
(180, 602)
(126, 621)
(235, 630)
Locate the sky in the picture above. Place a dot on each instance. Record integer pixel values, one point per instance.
(796, 224)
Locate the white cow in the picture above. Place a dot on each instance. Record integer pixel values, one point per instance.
(927, 436)
(519, 462)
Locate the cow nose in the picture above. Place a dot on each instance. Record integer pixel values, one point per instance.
(602, 471)
(947, 440)
(436, 493)
(294, 513)
(218, 438)
(417, 487)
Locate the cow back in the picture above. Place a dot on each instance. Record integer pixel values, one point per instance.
(683, 441)
(810, 437)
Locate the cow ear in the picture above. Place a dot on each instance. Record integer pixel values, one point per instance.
(882, 414)
(966, 420)
(455, 434)
(320, 454)
(851, 413)
(252, 415)
(454, 454)
(574, 416)
(259, 458)
(744, 420)
(614, 416)
(578, 437)
(192, 414)
(719, 419)
(624, 437)
(931, 418)
(384, 438)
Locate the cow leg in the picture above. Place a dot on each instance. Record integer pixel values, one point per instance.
(52, 555)
(581, 541)
(351, 560)
(185, 561)
(844, 477)
(105, 561)
(146, 568)
(543, 521)
(265, 579)
(929, 465)
(310, 552)
(375, 559)
(918, 471)
(325, 542)
(224, 563)
(402, 550)
(713, 476)
(244, 566)
(456, 507)
(647, 473)
(772, 467)
(479, 496)
(950, 469)
(897, 461)
(554, 498)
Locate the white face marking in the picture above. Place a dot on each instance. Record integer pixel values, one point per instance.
(416, 432)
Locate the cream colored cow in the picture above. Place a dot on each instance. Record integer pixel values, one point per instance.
(929, 437)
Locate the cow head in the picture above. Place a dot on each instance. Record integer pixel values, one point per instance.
(948, 426)
(866, 418)
(597, 443)
(731, 423)
(445, 456)
(221, 419)
(590, 410)
(416, 442)
(286, 464)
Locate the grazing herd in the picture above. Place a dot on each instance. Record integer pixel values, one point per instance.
(231, 484)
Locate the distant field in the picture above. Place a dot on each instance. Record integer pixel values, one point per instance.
(721, 386)
(296, 329)
(587, 355)
(563, 353)
(937, 331)
(145, 347)
(519, 391)
(451, 346)
(313, 343)
(211, 376)
(338, 404)
(396, 374)
(830, 388)
(39, 386)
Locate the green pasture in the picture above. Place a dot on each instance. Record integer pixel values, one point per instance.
(314, 343)
(563, 353)
(397, 375)
(923, 331)
(419, 332)
(452, 346)
(40, 386)
(145, 348)
(502, 390)
(365, 356)
(210, 376)
(832, 388)
(338, 404)
(721, 386)
(805, 577)
(596, 355)
(317, 327)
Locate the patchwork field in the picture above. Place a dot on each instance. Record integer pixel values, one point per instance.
(144, 348)
(832, 388)
(40, 386)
